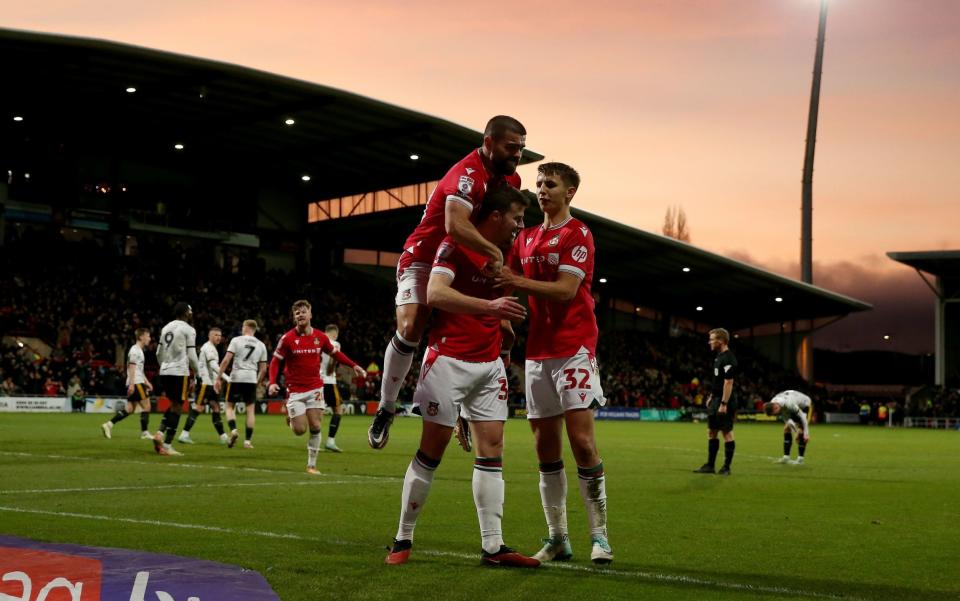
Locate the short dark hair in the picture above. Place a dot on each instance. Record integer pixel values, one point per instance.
(768, 408)
(721, 334)
(501, 199)
(181, 310)
(331, 327)
(498, 126)
(565, 172)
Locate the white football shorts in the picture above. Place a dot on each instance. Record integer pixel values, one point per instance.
(555, 386)
(299, 402)
(412, 281)
(447, 385)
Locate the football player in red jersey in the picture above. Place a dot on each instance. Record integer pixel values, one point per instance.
(451, 211)
(300, 351)
(562, 377)
(462, 366)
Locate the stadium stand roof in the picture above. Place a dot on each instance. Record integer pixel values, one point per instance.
(648, 269)
(71, 95)
(945, 266)
(78, 118)
(941, 263)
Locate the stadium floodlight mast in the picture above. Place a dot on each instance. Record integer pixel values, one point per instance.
(806, 209)
(806, 205)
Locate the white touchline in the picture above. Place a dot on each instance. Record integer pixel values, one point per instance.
(165, 463)
(660, 577)
(313, 482)
(654, 576)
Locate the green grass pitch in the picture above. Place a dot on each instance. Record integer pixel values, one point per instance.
(873, 515)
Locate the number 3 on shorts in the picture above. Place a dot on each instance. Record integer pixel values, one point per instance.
(571, 375)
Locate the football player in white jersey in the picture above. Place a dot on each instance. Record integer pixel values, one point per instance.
(209, 374)
(138, 388)
(796, 409)
(177, 353)
(249, 358)
(328, 370)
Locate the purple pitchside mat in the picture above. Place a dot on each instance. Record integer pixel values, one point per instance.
(33, 570)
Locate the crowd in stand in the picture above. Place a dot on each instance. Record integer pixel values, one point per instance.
(87, 308)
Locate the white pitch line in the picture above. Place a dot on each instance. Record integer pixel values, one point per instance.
(650, 576)
(166, 463)
(168, 486)
(669, 578)
(738, 454)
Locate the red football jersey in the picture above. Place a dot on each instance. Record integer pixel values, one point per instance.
(473, 338)
(465, 183)
(539, 253)
(301, 359)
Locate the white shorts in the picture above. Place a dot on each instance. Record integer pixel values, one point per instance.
(446, 385)
(412, 278)
(299, 402)
(555, 386)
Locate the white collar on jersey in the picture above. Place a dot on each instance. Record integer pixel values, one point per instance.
(559, 225)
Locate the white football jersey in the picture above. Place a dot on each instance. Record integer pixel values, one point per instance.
(209, 363)
(177, 349)
(248, 354)
(793, 406)
(328, 365)
(135, 357)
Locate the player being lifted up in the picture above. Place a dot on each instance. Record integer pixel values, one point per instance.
(462, 366)
(451, 210)
(138, 388)
(249, 357)
(300, 350)
(796, 409)
(562, 377)
(331, 395)
(209, 376)
(177, 353)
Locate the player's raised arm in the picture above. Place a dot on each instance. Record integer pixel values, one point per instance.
(441, 295)
(563, 289)
(340, 357)
(457, 221)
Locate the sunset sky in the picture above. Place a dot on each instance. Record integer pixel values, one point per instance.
(700, 104)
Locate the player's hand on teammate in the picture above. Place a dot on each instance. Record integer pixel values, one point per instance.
(495, 265)
(506, 307)
(272, 390)
(361, 373)
(506, 279)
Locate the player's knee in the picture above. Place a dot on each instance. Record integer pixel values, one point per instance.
(584, 447)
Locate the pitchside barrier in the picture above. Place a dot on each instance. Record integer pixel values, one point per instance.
(110, 405)
(947, 423)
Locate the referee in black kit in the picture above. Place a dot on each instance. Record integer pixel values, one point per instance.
(721, 407)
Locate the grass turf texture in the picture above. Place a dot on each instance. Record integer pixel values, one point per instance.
(871, 516)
